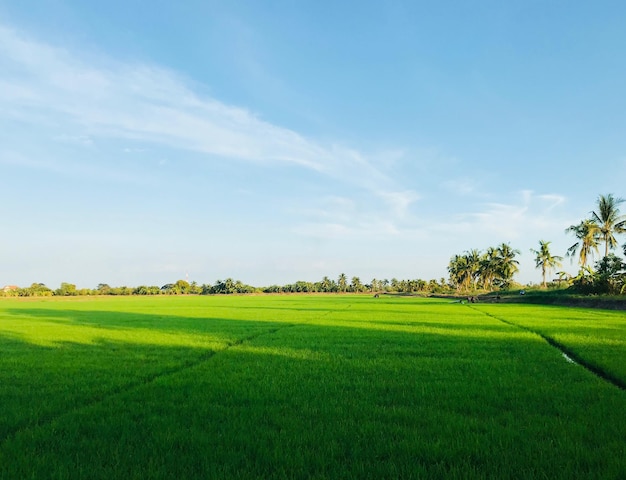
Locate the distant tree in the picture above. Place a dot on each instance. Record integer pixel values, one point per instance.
(473, 265)
(342, 283)
(66, 289)
(508, 266)
(356, 285)
(182, 286)
(460, 272)
(433, 286)
(610, 275)
(609, 220)
(488, 270)
(588, 234)
(194, 288)
(147, 290)
(103, 289)
(545, 260)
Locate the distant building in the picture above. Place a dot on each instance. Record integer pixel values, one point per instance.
(10, 288)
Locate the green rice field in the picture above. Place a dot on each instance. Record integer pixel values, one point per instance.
(319, 386)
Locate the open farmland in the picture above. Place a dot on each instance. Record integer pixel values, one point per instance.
(308, 387)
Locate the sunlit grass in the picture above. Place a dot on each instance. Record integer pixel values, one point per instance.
(596, 336)
(302, 387)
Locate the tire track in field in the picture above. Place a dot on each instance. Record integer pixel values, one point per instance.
(48, 419)
(566, 351)
(148, 379)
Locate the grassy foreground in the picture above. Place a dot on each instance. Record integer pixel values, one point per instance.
(308, 387)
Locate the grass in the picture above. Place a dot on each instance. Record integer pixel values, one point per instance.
(596, 338)
(307, 387)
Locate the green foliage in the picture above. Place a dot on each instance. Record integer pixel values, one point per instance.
(496, 267)
(588, 235)
(609, 220)
(66, 290)
(35, 290)
(609, 277)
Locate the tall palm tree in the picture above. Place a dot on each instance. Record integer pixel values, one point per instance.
(545, 260)
(356, 284)
(489, 267)
(507, 265)
(473, 264)
(460, 272)
(609, 220)
(342, 281)
(588, 235)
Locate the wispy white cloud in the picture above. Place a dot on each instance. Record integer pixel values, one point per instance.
(98, 98)
(355, 230)
(341, 217)
(400, 201)
(526, 214)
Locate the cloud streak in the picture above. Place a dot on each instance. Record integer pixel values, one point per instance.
(99, 98)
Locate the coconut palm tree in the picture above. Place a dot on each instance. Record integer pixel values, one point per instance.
(356, 284)
(460, 272)
(588, 235)
(342, 282)
(609, 220)
(507, 265)
(474, 258)
(545, 260)
(489, 267)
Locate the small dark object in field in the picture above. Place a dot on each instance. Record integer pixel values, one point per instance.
(375, 295)
(522, 292)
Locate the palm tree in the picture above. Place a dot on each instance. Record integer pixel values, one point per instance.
(465, 269)
(342, 281)
(588, 235)
(474, 258)
(356, 284)
(609, 220)
(460, 273)
(489, 267)
(545, 260)
(507, 265)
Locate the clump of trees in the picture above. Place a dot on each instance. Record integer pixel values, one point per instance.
(493, 268)
(605, 224)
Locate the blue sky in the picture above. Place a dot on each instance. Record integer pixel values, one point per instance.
(277, 141)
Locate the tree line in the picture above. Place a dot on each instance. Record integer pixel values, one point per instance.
(230, 286)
